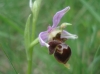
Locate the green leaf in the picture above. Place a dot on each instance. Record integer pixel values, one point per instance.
(27, 34)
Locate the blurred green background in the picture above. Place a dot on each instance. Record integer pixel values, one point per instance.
(85, 17)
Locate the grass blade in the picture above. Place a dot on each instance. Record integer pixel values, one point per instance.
(11, 23)
(92, 11)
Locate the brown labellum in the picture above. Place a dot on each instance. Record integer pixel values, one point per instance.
(53, 45)
(62, 53)
(60, 50)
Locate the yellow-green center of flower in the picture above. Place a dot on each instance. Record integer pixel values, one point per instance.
(53, 34)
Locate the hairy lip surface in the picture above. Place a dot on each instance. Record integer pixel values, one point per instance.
(61, 51)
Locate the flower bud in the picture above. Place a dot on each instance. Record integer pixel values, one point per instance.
(34, 6)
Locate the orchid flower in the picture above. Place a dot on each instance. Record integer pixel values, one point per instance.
(54, 38)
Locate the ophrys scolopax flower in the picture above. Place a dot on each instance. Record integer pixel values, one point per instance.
(55, 36)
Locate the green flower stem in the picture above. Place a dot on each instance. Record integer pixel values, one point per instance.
(35, 12)
(30, 34)
(33, 28)
(30, 51)
(29, 69)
